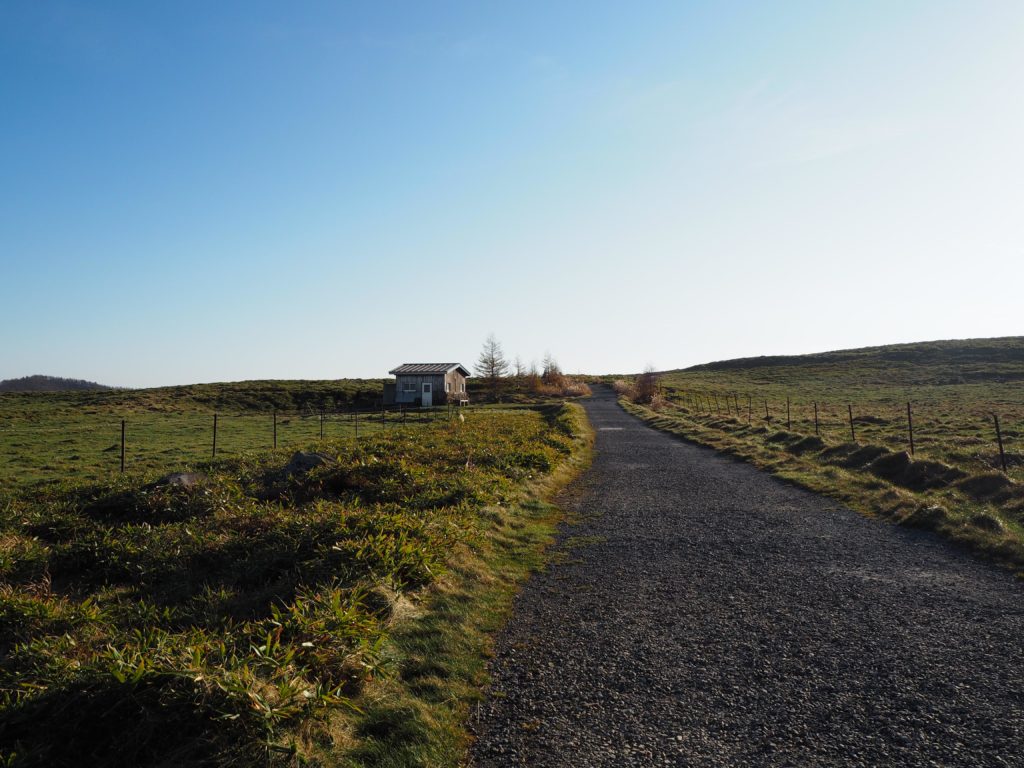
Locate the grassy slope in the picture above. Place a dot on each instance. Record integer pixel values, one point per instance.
(951, 484)
(340, 616)
(228, 396)
(39, 383)
(50, 436)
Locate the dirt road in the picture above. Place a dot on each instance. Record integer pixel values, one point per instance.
(705, 613)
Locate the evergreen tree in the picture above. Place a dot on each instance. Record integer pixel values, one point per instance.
(492, 365)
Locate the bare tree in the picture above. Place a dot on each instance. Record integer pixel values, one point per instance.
(518, 372)
(548, 364)
(552, 372)
(532, 377)
(491, 366)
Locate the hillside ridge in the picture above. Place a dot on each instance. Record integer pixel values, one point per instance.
(41, 383)
(1004, 349)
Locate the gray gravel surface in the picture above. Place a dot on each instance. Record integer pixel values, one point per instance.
(709, 614)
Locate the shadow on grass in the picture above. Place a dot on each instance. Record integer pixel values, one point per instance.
(122, 725)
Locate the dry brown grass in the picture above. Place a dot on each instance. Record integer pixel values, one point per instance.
(643, 390)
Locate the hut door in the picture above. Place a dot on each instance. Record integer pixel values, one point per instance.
(428, 396)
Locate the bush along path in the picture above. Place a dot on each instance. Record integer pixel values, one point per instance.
(705, 613)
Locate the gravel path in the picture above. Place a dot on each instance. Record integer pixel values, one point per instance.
(712, 615)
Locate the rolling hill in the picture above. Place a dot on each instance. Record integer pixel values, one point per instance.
(40, 383)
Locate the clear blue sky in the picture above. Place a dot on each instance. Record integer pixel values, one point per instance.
(198, 191)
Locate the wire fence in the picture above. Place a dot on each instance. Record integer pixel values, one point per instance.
(73, 445)
(953, 431)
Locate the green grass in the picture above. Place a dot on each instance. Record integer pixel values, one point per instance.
(954, 387)
(953, 483)
(336, 617)
(51, 437)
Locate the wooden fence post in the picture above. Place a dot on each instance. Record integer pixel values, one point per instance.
(355, 416)
(853, 435)
(215, 435)
(275, 429)
(321, 422)
(816, 417)
(999, 437)
(750, 409)
(767, 416)
(910, 427)
(122, 446)
(788, 422)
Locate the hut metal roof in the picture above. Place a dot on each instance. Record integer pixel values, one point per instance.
(427, 369)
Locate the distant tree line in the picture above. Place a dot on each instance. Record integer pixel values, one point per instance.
(501, 378)
(48, 384)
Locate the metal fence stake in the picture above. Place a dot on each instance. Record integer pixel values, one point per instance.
(910, 427)
(999, 437)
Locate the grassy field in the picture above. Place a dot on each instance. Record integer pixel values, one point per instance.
(54, 437)
(953, 482)
(335, 616)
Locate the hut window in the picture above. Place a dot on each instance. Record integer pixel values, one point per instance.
(447, 386)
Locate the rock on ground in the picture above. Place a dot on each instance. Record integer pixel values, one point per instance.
(302, 462)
